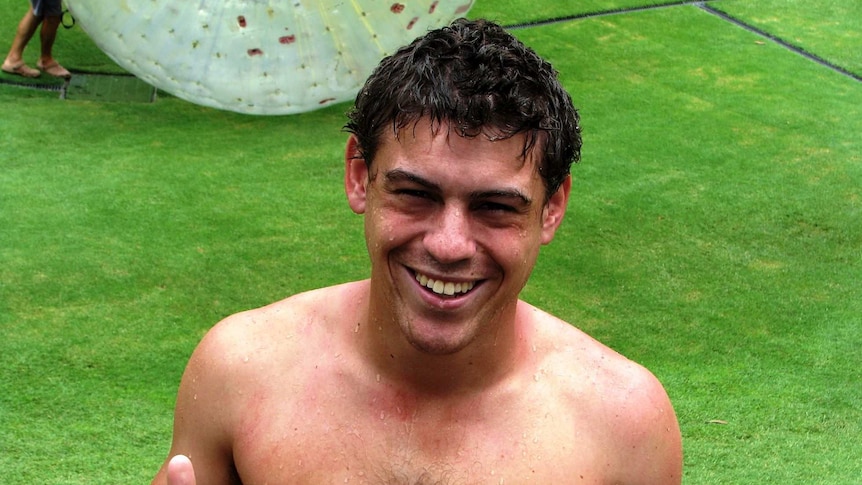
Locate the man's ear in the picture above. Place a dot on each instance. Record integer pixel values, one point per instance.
(554, 210)
(355, 176)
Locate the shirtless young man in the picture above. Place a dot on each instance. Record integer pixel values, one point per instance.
(433, 370)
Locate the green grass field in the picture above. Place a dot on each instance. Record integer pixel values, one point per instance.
(714, 234)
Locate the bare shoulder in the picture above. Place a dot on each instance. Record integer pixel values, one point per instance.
(619, 397)
(241, 358)
(275, 329)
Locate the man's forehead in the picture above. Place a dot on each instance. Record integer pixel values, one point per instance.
(523, 146)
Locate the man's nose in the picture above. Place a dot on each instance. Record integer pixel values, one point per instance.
(450, 237)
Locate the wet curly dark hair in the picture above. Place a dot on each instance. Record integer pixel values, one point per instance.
(480, 80)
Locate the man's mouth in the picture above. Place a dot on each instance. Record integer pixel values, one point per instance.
(441, 287)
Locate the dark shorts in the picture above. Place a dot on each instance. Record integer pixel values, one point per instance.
(47, 8)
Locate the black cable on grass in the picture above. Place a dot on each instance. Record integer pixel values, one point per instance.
(603, 13)
(707, 8)
(777, 40)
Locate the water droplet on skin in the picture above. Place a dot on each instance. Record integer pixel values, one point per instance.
(378, 377)
(245, 359)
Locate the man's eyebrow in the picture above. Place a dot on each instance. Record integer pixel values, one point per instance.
(503, 194)
(400, 175)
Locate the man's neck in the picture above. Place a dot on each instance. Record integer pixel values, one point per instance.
(483, 363)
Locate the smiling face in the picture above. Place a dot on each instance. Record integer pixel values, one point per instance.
(453, 227)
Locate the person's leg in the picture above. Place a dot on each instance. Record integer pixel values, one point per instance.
(48, 35)
(52, 15)
(14, 62)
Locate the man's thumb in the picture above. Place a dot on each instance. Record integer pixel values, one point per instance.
(180, 471)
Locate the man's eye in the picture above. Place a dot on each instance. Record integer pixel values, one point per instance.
(420, 194)
(495, 207)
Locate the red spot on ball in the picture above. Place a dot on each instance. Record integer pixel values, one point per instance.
(287, 39)
(412, 23)
(397, 7)
(255, 52)
(463, 8)
(327, 100)
(433, 7)
(241, 21)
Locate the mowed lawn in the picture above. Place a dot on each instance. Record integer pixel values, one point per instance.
(714, 234)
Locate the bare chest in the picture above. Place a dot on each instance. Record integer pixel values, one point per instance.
(320, 441)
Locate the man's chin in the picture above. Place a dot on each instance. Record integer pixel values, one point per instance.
(436, 348)
(437, 341)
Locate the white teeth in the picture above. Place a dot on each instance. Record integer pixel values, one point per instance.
(444, 287)
(438, 286)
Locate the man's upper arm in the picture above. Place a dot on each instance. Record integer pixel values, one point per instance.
(653, 436)
(203, 417)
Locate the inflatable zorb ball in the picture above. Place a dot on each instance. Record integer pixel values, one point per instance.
(264, 57)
